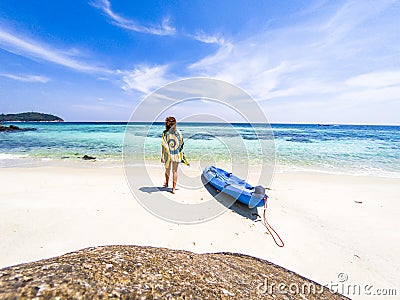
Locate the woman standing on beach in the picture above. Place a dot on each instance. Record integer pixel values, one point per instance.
(171, 151)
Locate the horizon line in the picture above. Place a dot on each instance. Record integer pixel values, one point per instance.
(207, 122)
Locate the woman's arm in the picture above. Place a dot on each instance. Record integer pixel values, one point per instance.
(162, 154)
(162, 149)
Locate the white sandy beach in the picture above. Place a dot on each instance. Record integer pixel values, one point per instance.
(52, 210)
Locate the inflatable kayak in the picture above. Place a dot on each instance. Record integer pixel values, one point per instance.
(234, 186)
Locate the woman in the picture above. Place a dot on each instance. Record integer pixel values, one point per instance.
(171, 151)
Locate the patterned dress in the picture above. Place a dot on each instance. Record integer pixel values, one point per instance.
(172, 143)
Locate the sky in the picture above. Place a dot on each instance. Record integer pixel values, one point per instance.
(302, 61)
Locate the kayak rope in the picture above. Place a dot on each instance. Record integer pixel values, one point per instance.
(269, 227)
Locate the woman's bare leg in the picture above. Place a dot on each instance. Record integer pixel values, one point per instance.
(174, 176)
(167, 171)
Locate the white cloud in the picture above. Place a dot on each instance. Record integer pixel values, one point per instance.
(27, 78)
(313, 58)
(376, 79)
(249, 64)
(145, 78)
(378, 87)
(372, 95)
(32, 49)
(201, 36)
(335, 65)
(142, 78)
(205, 65)
(164, 28)
(350, 15)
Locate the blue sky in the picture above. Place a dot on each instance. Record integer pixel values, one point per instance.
(303, 61)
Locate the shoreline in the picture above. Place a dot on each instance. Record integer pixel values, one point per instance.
(240, 123)
(52, 210)
(9, 161)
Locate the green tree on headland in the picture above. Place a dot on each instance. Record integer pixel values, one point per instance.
(29, 117)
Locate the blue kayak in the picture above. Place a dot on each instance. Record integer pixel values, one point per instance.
(235, 187)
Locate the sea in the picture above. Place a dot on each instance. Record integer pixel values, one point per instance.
(345, 149)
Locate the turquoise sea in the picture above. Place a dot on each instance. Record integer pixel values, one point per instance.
(351, 149)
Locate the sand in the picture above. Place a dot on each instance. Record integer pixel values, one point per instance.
(332, 225)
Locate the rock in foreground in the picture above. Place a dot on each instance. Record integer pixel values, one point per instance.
(14, 128)
(87, 157)
(131, 272)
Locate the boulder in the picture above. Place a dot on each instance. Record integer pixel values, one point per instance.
(135, 272)
(14, 128)
(87, 157)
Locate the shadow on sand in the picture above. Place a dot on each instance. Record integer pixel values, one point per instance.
(154, 189)
(239, 208)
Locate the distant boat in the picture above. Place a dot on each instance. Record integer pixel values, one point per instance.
(326, 125)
